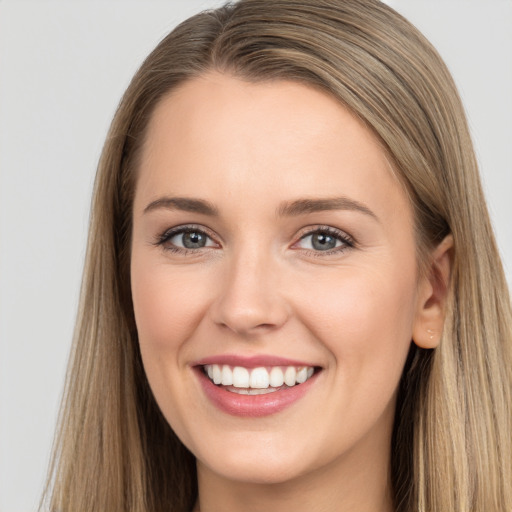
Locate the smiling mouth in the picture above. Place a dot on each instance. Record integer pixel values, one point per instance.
(257, 381)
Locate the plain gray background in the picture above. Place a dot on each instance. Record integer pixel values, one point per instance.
(63, 68)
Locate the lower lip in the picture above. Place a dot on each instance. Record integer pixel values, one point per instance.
(253, 405)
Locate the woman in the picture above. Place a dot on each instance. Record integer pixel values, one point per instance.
(292, 296)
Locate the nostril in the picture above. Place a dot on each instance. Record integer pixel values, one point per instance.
(245, 325)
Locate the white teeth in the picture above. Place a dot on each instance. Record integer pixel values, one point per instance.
(290, 375)
(302, 375)
(250, 391)
(240, 377)
(258, 378)
(227, 376)
(217, 374)
(276, 377)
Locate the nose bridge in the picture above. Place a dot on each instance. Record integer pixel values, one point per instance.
(250, 299)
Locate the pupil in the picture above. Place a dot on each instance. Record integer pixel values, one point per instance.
(193, 240)
(323, 241)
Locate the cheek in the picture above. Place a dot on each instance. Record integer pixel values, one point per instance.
(166, 304)
(167, 310)
(365, 319)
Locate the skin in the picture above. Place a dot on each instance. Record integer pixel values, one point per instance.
(261, 287)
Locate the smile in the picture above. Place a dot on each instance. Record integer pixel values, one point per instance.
(255, 381)
(255, 386)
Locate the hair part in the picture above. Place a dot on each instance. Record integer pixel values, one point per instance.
(451, 447)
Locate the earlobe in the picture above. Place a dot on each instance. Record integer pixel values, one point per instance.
(432, 295)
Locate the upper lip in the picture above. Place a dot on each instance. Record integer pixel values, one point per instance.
(253, 361)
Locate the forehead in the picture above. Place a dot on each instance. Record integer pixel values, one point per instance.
(220, 137)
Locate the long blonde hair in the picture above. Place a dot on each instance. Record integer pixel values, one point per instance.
(452, 446)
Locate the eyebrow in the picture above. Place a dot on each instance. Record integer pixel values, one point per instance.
(185, 204)
(304, 206)
(286, 209)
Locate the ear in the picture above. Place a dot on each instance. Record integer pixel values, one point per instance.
(432, 294)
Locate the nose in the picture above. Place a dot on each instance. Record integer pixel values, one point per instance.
(250, 301)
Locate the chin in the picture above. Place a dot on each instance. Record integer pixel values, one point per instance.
(259, 470)
(259, 457)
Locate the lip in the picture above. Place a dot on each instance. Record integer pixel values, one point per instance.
(251, 361)
(252, 406)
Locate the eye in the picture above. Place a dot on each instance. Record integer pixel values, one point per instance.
(184, 239)
(191, 239)
(325, 240)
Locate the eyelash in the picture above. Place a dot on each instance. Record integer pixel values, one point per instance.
(170, 233)
(346, 240)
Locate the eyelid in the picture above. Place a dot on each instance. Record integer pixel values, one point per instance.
(347, 240)
(166, 235)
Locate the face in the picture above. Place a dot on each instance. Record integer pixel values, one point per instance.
(272, 249)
